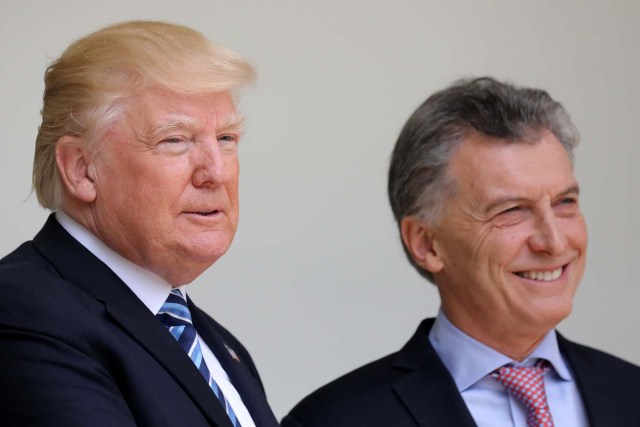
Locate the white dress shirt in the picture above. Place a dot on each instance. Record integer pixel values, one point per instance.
(153, 291)
(470, 362)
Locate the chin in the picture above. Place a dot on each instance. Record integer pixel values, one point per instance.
(552, 313)
(205, 252)
(187, 266)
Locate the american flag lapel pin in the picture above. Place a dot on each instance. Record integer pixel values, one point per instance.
(233, 354)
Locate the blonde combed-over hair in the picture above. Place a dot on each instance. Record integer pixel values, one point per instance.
(87, 87)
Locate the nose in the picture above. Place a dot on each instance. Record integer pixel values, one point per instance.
(212, 165)
(548, 236)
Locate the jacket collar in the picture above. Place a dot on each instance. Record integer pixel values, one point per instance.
(427, 380)
(80, 267)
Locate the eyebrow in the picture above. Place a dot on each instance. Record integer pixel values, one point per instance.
(183, 122)
(573, 189)
(232, 122)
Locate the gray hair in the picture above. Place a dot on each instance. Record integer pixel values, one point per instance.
(418, 180)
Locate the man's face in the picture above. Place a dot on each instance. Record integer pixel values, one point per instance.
(511, 243)
(166, 179)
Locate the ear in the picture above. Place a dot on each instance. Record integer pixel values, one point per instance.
(75, 168)
(419, 240)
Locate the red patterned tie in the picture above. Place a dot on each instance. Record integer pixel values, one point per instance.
(527, 385)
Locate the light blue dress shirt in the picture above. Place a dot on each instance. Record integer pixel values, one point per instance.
(470, 362)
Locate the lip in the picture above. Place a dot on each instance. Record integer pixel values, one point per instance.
(204, 213)
(544, 275)
(204, 216)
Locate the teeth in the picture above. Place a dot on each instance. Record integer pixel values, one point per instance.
(545, 276)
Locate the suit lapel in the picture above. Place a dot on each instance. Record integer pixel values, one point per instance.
(170, 355)
(239, 373)
(427, 390)
(80, 267)
(596, 388)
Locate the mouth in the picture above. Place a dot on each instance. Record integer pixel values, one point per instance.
(205, 213)
(542, 275)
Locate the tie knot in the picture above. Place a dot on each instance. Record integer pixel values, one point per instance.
(175, 311)
(526, 384)
(509, 371)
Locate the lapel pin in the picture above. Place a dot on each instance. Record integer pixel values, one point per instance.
(233, 354)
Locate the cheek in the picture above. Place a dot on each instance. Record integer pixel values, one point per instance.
(485, 242)
(234, 179)
(161, 185)
(579, 237)
(511, 240)
(232, 191)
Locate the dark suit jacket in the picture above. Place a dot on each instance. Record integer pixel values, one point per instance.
(78, 348)
(413, 388)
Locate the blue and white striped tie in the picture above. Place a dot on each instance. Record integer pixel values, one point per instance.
(175, 315)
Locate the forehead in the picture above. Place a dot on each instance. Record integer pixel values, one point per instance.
(486, 167)
(157, 107)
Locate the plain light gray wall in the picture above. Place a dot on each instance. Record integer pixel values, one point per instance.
(316, 283)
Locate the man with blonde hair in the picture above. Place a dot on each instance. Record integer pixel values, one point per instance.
(137, 158)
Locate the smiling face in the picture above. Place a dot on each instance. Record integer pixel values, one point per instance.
(166, 182)
(509, 250)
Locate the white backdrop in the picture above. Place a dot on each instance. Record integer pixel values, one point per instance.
(316, 283)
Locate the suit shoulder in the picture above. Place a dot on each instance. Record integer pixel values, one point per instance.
(27, 270)
(343, 401)
(607, 383)
(618, 369)
(24, 262)
(369, 395)
(30, 284)
(26, 275)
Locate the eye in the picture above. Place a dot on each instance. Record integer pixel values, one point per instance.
(228, 143)
(511, 210)
(511, 215)
(568, 201)
(173, 145)
(173, 140)
(228, 138)
(567, 206)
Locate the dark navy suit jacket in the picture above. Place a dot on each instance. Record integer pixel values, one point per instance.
(78, 348)
(413, 388)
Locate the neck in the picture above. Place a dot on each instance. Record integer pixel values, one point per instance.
(515, 343)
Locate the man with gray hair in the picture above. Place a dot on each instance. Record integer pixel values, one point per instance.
(481, 184)
(137, 158)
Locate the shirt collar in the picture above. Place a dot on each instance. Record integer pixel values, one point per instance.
(150, 288)
(469, 360)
